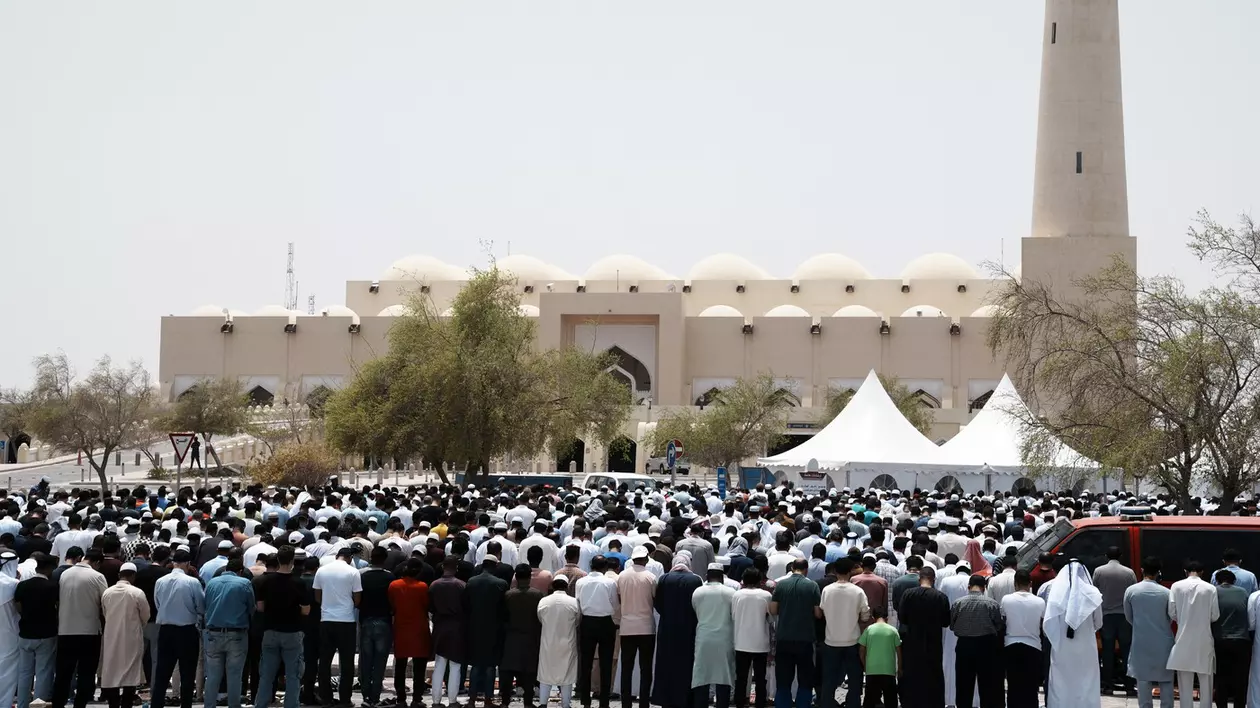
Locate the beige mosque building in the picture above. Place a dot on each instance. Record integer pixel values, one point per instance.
(679, 336)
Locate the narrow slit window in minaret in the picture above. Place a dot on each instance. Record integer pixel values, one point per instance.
(1078, 163)
(1054, 32)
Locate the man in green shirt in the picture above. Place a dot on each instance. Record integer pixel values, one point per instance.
(881, 658)
(795, 602)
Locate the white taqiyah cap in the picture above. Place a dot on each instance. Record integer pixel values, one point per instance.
(127, 568)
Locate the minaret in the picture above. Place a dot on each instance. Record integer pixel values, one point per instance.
(1080, 193)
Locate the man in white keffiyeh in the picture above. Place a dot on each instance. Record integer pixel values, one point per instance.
(1073, 615)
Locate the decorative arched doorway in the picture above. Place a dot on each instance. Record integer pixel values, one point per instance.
(1024, 487)
(621, 455)
(11, 447)
(259, 396)
(575, 452)
(633, 370)
(949, 485)
(884, 481)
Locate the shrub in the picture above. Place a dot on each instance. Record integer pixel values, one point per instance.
(296, 464)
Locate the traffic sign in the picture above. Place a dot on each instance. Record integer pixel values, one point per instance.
(721, 479)
(671, 454)
(181, 442)
(678, 448)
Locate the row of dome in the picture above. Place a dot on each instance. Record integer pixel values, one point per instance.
(722, 266)
(532, 311)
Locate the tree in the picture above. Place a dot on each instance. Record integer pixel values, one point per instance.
(297, 464)
(96, 415)
(1139, 375)
(474, 386)
(907, 401)
(17, 408)
(211, 407)
(742, 421)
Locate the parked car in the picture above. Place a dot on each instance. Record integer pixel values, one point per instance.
(612, 480)
(659, 465)
(1139, 534)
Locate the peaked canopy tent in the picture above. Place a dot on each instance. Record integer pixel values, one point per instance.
(868, 440)
(992, 444)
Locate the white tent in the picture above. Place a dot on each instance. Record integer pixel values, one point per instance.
(994, 438)
(869, 436)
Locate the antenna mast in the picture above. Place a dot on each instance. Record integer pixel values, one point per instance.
(310, 304)
(290, 288)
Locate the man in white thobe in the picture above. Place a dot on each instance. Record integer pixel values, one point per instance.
(1073, 615)
(715, 639)
(8, 631)
(1192, 605)
(1253, 620)
(558, 652)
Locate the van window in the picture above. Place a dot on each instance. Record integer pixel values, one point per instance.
(1175, 546)
(1091, 544)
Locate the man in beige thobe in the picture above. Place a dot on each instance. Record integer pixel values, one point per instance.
(122, 646)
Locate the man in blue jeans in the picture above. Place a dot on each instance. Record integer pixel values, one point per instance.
(36, 599)
(794, 600)
(376, 627)
(846, 610)
(284, 601)
(229, 605)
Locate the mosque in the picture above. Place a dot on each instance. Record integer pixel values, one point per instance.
(680, 336)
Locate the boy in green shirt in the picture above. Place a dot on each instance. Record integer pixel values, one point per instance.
(881, 659)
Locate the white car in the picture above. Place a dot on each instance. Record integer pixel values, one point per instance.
(660, 465)
(612, 480)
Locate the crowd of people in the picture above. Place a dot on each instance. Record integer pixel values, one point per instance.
(669, 596)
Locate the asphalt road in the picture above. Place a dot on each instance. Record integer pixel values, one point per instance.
(60, 475)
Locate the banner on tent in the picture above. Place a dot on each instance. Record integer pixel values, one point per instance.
(809, 481)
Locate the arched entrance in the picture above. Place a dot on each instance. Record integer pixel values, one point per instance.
(11, 447)
(576, 453)
(621, 455)
(317, 399)
(884, 481)
(259, 396)
(949, 485)
(634, 371)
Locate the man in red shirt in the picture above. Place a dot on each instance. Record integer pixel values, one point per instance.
(875, 587)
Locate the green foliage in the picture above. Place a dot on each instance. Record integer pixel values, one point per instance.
(742, 421)
(95, 415)
(907, 401)
(471, 387)
(1141, 375)
(17, 410)
(209, 407)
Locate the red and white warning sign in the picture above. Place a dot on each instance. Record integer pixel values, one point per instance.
(181, 442)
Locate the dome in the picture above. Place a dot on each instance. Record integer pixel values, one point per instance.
(628, 268)
(727, 266)
(423, 268)
(393, 311)
(528, 310)
(529, 269)
(939, 266)
(274, 311)
(787, 311)
(855, 311)
(338, 311)
(831, 266)
(923, 311)
(208, 311)
(986, 311)
(720, 311)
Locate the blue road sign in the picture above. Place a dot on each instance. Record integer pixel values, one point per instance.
(671, 454)
(721, 476)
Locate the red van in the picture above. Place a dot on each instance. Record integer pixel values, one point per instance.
(1172, 539)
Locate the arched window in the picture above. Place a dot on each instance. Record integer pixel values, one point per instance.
(634, 369)
(927, 400)
(979, 402)
(884, 481)
(1024, 487)
(259, 396)
(949, 485)
(708, 397)
(794, 399)
(317, 399)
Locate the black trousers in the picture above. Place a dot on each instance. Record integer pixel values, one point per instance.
(644, 647)
(418, 667)
(120, 697)
(520, 678)
(336, 638)
(975, 663)
(1115, 630)
(76, 653)
(595, 633)
(177, 644)
(1023, 675)
(881, 692)
(700, 696)
(253, 658)
(310, 658)
(757, 662)
(1233, 669)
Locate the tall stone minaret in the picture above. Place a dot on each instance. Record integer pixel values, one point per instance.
(1080, 194)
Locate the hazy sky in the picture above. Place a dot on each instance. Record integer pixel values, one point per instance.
(156, 156)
